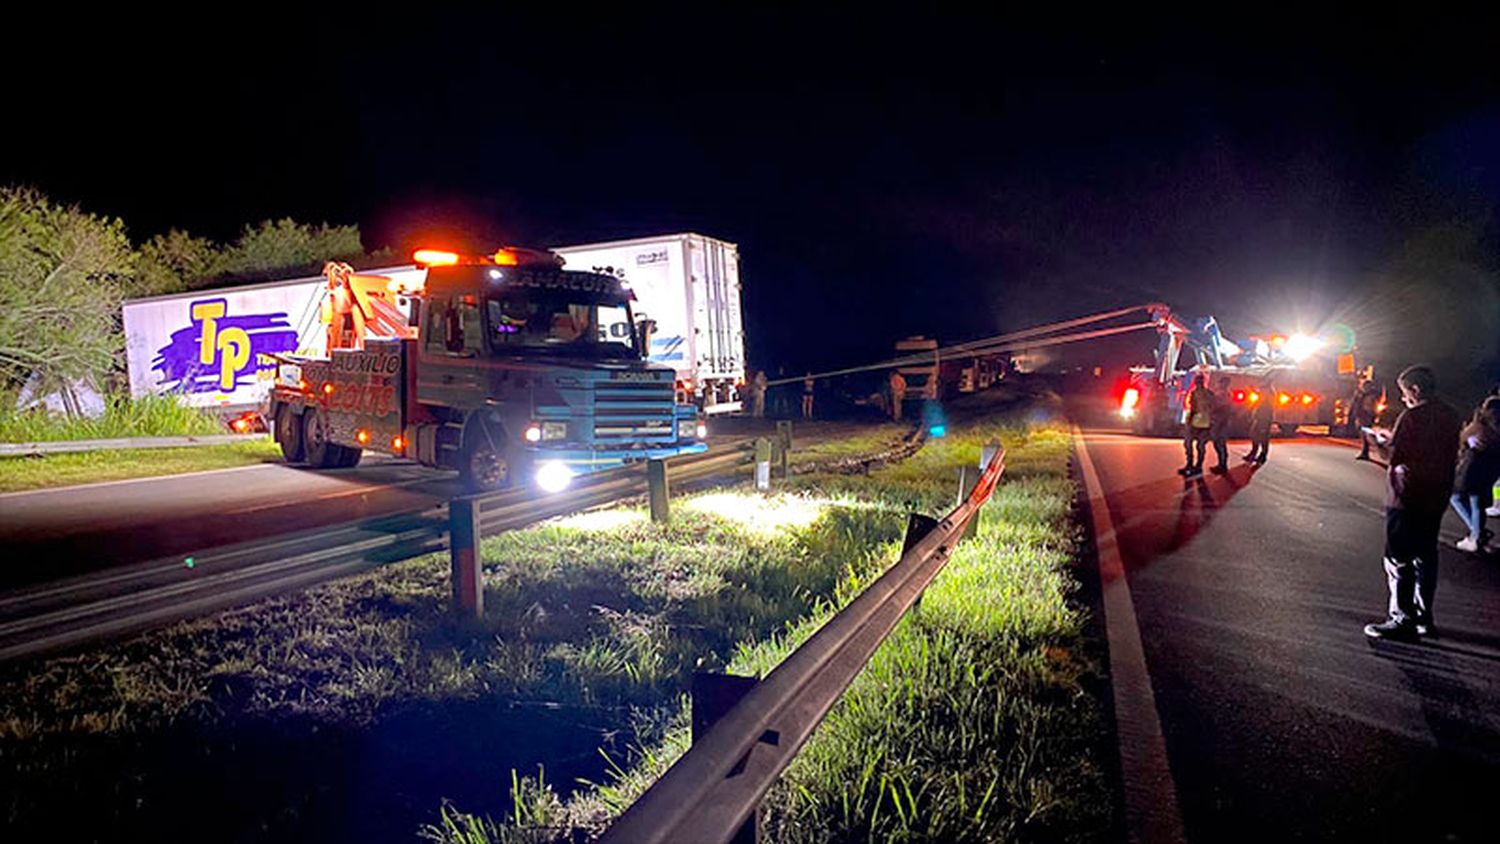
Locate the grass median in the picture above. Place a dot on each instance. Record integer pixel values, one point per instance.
(88, 467)
(972, 722)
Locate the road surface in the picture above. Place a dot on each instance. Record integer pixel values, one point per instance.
(1278, 718)
(57, 533)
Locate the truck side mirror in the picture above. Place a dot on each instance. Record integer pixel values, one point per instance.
(644, 328)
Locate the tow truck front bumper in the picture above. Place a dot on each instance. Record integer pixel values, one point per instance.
(582, 460)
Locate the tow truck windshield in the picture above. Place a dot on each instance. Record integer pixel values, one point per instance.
(568, 322)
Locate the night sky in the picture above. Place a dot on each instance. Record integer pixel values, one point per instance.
(956, 175)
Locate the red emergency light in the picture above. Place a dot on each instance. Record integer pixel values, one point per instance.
(1239, 395)
(434, 258)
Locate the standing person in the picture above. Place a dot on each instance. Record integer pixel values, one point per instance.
(1366, 398)
(1196, 430)
(1219, 427)
(1476, 472)
(1494, 509)
(807, 396)
(1261, 414)
(758, 394)
(1418, 483)
(898, 393)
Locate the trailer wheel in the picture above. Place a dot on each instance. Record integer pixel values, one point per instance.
(289, 434)
(487, 461)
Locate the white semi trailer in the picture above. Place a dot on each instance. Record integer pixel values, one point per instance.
(689, 285)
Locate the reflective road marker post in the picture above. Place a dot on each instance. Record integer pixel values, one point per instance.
(463, 544)
(762, 464)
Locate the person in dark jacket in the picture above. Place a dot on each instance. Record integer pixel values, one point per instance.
(1419, 481)
(1218, 429)
(1474, 476)
(1262, 410)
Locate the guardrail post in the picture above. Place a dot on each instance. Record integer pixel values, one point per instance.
(713, 696)
(656, 483)
(762, 464)
(970, 479)
(967, 479)
(987, 453)
(917, 528)
(463, 544)
(784, 435)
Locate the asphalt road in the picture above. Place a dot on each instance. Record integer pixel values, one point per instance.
(58, 533)
(1281, 720)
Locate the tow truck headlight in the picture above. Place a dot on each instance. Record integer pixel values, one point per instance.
(533, 433)
(553, 476)
(554, 430)
(701, 430)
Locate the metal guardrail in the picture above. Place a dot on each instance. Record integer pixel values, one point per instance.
(71, 612)
(710, 793)
(37, 449)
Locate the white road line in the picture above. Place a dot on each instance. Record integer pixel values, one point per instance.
(1151, 811)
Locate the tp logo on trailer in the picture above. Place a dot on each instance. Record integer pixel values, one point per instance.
(218, 352)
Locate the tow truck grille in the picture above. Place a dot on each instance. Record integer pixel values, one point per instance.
(634, 411)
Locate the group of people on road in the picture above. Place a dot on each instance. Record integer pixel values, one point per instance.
(759, 384)
(1423, 478)
(1208, 414)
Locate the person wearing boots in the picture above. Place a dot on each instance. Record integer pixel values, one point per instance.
(1261, 413)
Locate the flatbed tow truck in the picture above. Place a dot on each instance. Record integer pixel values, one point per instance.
(514, 372)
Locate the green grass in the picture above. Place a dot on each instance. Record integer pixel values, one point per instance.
(970, 724)
(616, 611)
(54, 470)
(147, 416)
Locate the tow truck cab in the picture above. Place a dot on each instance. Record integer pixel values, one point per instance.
(520, 372)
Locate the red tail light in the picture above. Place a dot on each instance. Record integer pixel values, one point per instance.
(1308, 398)
(1239, 395)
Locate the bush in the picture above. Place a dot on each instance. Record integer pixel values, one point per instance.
(147, 416)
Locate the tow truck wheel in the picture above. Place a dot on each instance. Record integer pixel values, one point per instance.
(289, 435)
(486, 465)
(321, 453)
